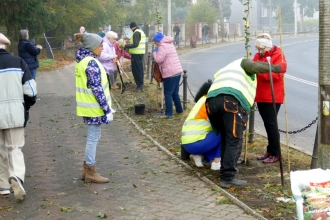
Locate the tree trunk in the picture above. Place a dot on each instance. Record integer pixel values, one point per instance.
(324, 86)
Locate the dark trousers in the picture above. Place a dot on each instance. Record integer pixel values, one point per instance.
(137, 69)
(228, 118)
(269, 118)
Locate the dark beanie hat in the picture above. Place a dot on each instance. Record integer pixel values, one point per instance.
(158, 37)
(132, 24)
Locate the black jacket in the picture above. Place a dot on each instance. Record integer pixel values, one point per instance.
(29, 53)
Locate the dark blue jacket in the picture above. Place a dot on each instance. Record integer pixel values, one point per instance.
(29, 53)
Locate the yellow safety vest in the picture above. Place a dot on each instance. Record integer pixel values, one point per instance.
(87, 105)
(195, 129)
(141, 49)
(233, 76)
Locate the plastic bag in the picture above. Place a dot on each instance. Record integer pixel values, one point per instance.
(311, 192)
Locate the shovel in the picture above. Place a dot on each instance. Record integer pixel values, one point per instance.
(273, 99)
(123, 87)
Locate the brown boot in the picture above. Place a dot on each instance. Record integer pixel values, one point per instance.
(85, 166)
(93, 176)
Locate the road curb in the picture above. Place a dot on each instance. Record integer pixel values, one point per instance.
(233, 199)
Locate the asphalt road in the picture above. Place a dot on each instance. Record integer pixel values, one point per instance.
(301, 82)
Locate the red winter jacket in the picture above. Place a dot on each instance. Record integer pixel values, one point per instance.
(264, 92)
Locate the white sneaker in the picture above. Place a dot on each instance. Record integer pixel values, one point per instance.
(197, 160)
(4, 192)
(215, 166)
(17, 186)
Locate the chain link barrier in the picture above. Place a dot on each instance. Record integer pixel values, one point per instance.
(300, 130)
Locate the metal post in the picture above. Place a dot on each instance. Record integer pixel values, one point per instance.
(315, 150)
(152, 71)
(185, 88)
(251, 123)
(148, 65)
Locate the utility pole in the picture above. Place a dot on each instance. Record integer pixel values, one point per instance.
(222, 25)
(295, 17)
(169, 29)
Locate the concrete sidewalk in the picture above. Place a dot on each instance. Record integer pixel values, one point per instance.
(145, 182)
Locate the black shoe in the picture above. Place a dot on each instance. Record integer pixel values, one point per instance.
(139, 88)
(234, 182)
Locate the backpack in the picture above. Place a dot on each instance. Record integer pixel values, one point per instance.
(157, 74)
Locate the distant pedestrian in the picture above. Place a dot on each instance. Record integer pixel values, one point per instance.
(82, 29)
(176, 30)
(263, 98)
(198, 138)
(17, 94)
(101, 32)
(228, 105)
(93, 99)
(137, 48)
(170, 67)
(205, 32)
(108, 55)
(28, 52)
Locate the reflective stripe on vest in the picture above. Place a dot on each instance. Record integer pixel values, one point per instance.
(141, 49)
(233, 76)
(195, 129)
(87, 105)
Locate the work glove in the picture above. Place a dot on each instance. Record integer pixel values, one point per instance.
(156, 49)
(109, 117)
(251, 67)
(39, 47)
(113, 56)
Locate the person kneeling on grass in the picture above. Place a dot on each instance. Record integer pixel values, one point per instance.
(198, 138)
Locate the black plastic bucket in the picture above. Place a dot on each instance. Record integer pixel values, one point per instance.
(139, 109)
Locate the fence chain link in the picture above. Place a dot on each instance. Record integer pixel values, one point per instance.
(300, 130)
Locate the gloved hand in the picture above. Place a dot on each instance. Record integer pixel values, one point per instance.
(112, 110)
(39, 47)
(113, 56)
(109, 117)
(156, 49)
(276, 68)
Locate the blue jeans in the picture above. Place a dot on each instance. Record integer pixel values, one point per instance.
(208, 147)
(176, 38)
(93, 137)
(171, 93)
(207, 38)
(34, 73)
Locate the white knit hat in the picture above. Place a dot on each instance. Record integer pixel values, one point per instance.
(4, 40)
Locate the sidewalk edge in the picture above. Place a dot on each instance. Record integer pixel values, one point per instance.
(233, 199)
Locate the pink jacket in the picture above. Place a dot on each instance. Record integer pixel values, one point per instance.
(121, 52)
(167, 58)
(107, 55)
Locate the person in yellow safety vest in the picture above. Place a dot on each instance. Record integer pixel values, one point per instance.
(228, 104)
(137, 48)
(93, 99)
(198, 138)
